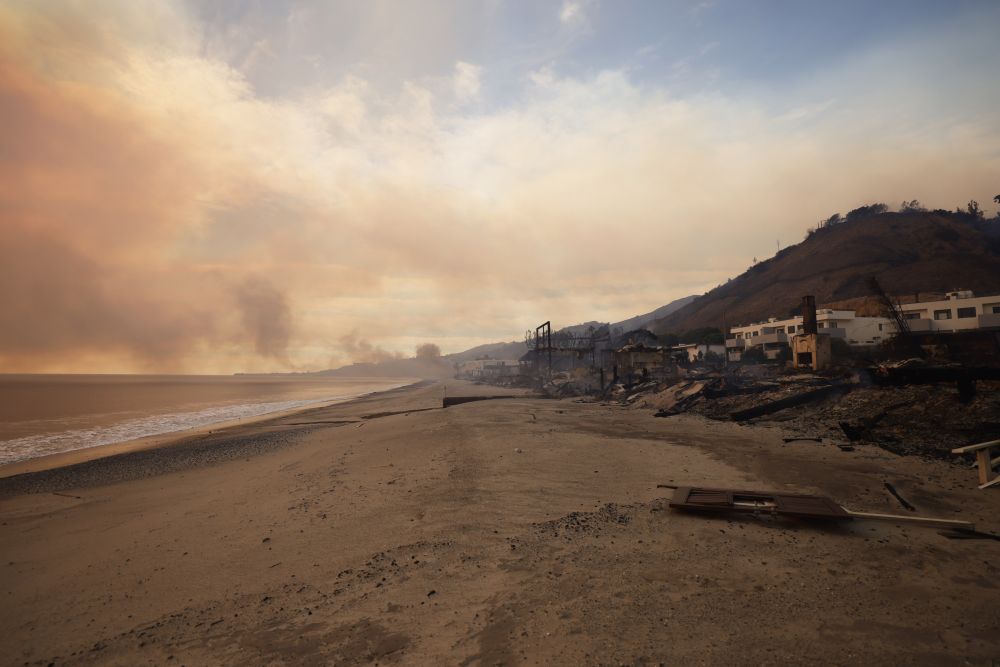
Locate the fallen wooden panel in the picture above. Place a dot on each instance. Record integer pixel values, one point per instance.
(730, 500)
(794, 505)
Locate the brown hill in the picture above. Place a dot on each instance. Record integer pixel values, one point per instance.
(909, 252)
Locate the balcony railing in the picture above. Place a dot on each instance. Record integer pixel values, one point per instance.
(767, 339)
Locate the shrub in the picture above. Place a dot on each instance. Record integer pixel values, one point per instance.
(866, 211)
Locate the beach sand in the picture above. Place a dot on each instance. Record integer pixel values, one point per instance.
(515, 531)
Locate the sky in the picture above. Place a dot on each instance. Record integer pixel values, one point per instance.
(214, 187)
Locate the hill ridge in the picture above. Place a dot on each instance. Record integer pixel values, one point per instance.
(908, 252)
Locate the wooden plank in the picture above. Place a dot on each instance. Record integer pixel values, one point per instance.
(973, 448)
(996, 480)
(983, 459)
(940, 523)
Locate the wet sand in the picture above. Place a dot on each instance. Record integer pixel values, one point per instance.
(518, 531)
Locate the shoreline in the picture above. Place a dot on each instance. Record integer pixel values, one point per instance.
(162, 440)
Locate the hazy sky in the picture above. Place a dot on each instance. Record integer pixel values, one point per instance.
(223, 186)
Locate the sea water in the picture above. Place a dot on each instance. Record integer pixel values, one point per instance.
(48, 414)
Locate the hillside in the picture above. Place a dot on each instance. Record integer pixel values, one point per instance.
(632, 323)
(908, 253)
(640, 321)
(512, 350)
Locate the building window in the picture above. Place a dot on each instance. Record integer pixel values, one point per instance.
(996, 310)
(791, 328)
(942, 314)
(880, 327)
(966, 312)
(911, 316)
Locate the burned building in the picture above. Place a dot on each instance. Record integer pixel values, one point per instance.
(810, 349)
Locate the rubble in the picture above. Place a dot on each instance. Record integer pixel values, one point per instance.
(563, 385)
(843, 408)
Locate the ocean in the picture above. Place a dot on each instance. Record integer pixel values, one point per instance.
(48, 414)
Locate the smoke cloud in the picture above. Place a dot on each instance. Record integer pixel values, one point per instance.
(359, 350)
(428, 351)
(266, 316)
(159, 214)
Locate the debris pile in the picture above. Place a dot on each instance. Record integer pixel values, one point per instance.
(926, 420)
(924, 417)
(563, 385)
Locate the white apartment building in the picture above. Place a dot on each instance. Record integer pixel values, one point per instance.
(958, 311)
(773, 336)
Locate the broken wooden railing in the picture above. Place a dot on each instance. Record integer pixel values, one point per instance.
(985, 461)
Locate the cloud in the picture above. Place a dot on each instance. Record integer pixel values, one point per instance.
(806, 111)
(161, 214)
(571, 12)
(466, 81)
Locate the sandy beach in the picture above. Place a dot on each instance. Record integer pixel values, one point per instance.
(390, 530)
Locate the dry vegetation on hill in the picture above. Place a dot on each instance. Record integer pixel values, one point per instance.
(908, 252)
